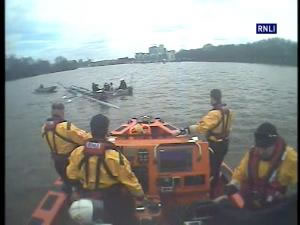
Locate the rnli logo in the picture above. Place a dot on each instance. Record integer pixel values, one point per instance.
(266, 28)
(93, 145)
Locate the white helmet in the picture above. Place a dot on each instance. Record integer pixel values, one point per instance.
(121, 79)
(82, 210)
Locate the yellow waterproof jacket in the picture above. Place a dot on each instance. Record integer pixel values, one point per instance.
(286, 173)
(122, 173)
(214, 125)
(66, 137)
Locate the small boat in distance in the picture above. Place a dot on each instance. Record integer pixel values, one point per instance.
(42, 89)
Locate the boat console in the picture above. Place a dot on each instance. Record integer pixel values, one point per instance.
(173, 171)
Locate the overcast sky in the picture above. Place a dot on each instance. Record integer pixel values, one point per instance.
(109, 29)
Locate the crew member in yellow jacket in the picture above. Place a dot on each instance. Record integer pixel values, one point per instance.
(216, 125)
(268, 170)
(62, 138)
(98, 165)
(263, 188)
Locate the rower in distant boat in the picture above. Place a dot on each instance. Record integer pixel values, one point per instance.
(95, 87)
(111, 86)
(106, 87)
(123, 84)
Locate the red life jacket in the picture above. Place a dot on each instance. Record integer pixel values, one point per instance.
(266, 189)
(97, 148)
(224, 133)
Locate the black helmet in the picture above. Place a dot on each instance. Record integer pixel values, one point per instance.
(265, 135)
(99, 125)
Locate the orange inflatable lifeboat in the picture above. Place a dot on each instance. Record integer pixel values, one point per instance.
(174, 172)
(50, 208)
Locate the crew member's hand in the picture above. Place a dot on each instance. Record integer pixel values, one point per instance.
(182, 131)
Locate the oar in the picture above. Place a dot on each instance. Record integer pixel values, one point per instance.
(97, 100)
(82, 88)
(102, 102)
(61, 85)
(67, 89)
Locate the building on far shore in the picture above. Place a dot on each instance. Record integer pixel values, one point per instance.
(124, 60)
(156, 54)
(171, 55)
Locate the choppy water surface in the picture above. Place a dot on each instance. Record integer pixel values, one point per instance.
(176, 92)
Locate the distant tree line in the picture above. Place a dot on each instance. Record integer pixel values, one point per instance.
(270, 51)
(16, 68)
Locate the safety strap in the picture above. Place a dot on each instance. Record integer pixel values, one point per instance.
(224, 132)
(97, 173)
(48, 142)
(97, 149)
(45, 134)
(85, 163)
(86, 169)
(225, 123)
(54, 140)
(68, 125)
(121, 160)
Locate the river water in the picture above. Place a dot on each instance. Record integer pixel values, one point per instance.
(176, 92)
